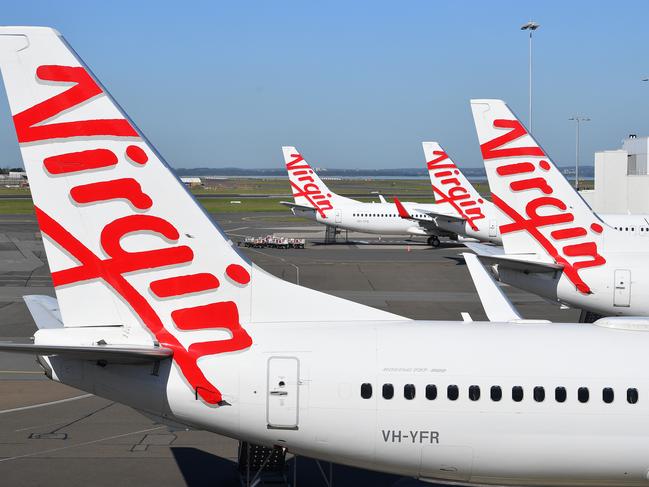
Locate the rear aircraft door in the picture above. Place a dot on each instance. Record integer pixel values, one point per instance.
(339, 216)
(283, 392)
(622, 289)
(493, 228)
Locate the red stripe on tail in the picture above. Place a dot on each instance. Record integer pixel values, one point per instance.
(177, 286)
(84, 88)
(80, 161)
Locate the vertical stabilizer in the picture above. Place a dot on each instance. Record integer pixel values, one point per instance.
(544, 214)
(451, 186)
(127, 244)
(307, 187)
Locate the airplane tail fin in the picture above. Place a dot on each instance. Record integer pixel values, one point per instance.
(307, 187)
(546, 216)
(451, 186)
(128, 246)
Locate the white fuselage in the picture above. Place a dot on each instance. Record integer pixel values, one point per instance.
(618, 287)
(300, 385)
(384, 219)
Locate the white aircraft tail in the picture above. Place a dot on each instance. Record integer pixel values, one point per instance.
(307, 187)
(128, 246)
(451, 186)
(546, 215)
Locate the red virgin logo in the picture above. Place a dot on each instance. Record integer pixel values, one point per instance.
(112, 269)
(450, 190)
(303, 185)
(543, 212)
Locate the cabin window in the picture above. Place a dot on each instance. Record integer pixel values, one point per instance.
(583, 394)
(539, 394)
(474, 393)
(632, 395)
(388, 391)
(608, 395)
(409, 391)
(517, 393)
(560, 394)
(366, 390)
(431, 392)
(452, 392)
(496, 393)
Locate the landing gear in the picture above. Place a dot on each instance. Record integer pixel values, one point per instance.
(433, 241)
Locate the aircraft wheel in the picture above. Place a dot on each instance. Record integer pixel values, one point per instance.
(433, 241)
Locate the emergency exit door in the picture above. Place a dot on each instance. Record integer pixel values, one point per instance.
(339, 216)
(622, 290)
(283, 392)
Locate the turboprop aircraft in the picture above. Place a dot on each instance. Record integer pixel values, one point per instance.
(156, 309)
(554, 245)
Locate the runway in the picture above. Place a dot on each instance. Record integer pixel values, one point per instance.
(55, 435)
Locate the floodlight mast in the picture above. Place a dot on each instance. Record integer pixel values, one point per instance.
(531, 26)
(577, 119)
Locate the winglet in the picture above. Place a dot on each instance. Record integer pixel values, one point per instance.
(496, 304)
(403, 213)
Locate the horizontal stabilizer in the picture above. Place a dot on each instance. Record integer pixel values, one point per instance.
(44, 310)
(296, 206)
(496, 304)
(492, 254)
(109, 353)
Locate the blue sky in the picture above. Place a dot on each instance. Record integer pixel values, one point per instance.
(353, 83)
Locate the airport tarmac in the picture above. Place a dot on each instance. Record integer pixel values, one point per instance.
(53, 435)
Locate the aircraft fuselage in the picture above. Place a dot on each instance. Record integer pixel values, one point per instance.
(544, 404)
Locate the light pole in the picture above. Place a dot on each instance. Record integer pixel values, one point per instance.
(577, 119)
(531, 27)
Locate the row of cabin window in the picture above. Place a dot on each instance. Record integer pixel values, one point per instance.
(375, 214)
(496, 393)
(383, 215)
(626, 229)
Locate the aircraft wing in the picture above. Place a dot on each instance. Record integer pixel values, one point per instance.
(109, 353)
(405, 214)
(483, 249)
(496, 304)
(436, 214)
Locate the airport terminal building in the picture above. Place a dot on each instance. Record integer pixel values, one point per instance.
(621, 179)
